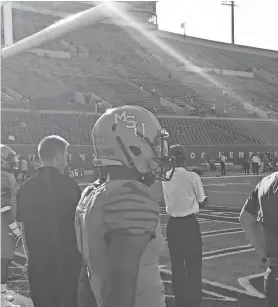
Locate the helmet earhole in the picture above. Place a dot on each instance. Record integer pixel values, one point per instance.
(135, 150)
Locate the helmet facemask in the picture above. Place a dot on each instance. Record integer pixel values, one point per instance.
(159, 164)
(163, 161)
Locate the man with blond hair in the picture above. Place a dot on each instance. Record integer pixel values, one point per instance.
(46, 205)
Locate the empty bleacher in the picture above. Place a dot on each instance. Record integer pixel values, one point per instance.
(29, 128)
(114, 70)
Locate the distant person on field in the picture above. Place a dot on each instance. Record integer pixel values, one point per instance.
(23, 168)
(46, 205)
(255, 164)
(213, 110)
(246, 165)
(259, 218)
(36, 163)
(223, 164)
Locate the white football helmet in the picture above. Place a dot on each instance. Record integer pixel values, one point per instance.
(131, 136)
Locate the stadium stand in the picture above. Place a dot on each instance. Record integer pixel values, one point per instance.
(111, 52)
(60, 87)
(185, 130)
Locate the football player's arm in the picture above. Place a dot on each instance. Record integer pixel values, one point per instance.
(7, 214)
(124, 254)
(24, 242)
(252, 228)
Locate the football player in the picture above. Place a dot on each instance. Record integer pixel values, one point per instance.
(117, 223)
(11, 236)
(259, 219)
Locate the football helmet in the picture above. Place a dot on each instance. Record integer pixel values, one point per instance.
(8, 158)
(131, 136)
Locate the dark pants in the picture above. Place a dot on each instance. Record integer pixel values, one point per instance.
(246, 168)
(255, 167)
(24, 175)
(52, 282)
(223, 168)
(86, 296)
(185, 247)
(271, 286)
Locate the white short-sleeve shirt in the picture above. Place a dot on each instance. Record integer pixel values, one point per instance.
(183, 193)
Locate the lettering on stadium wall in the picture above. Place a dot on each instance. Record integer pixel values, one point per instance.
(84, 158)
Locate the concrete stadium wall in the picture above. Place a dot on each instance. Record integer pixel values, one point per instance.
(215, 44)
(265, 75)
(50, 53)
(81, 156)
(227, 72)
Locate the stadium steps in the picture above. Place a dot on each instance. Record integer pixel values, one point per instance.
(34, 86)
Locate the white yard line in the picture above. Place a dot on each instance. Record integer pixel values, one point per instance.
(230, 288)
(228, 254)
(226, 249)
(221, 230)
(224, 221)
(204, 221)
(224, 184)
(219, 296)
(219, 285)
(245, 283)
(221, 233)
(220, 216)
(230, 192)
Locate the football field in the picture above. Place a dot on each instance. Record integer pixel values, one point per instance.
(232, 273)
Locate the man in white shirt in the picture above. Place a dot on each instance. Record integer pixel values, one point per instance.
(222, 164)
(255, 164)
(182, 195)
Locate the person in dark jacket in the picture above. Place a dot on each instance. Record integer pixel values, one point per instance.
(46, 205)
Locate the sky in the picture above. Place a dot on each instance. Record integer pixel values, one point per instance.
(256, 21)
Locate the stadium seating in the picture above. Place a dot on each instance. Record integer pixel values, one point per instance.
(29, 128)
(113, 70)
(115, 60)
